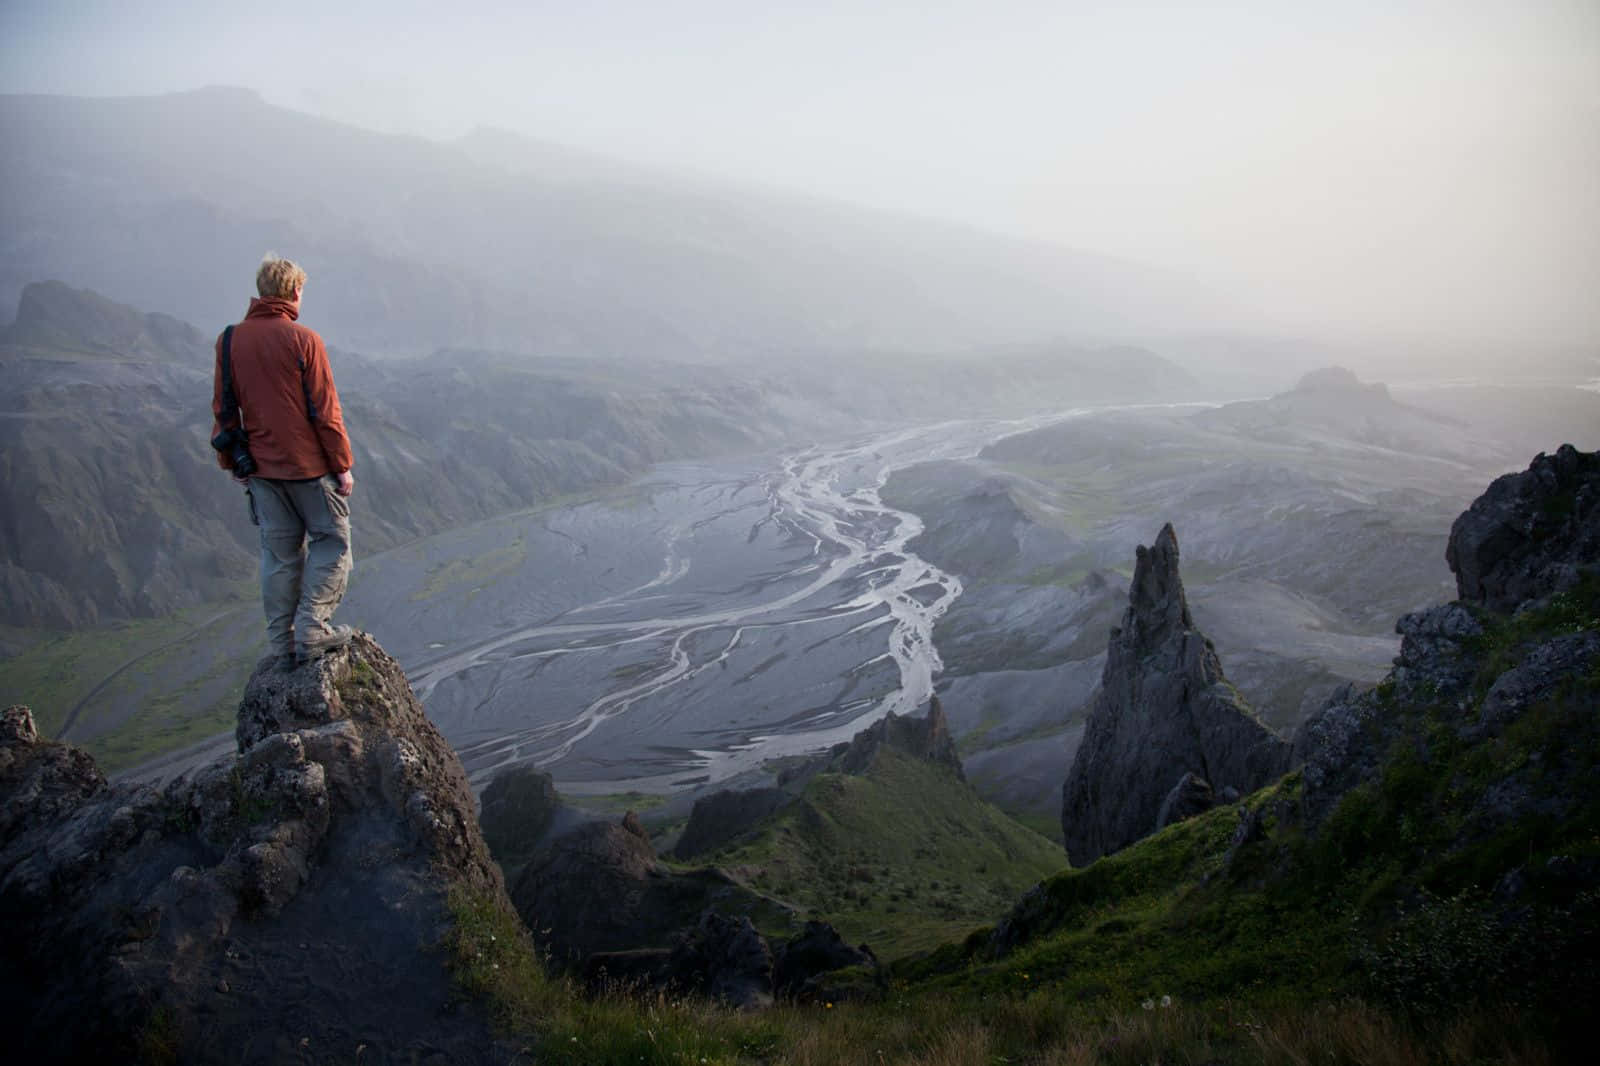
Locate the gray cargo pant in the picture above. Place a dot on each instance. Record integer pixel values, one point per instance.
(301, 583)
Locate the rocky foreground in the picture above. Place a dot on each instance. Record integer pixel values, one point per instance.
(291, 901)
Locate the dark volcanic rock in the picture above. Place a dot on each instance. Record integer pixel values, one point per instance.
(518, 808)
(730, 959)
(726, 959)
(305, 874)
(926, 738)
(1163, 709)
(1539, 674)
(816, 951)
(600, 888)
(1192, 795)
(1531, 534)
(723, 817)
(722, 957)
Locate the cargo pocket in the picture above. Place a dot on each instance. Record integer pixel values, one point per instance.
(338, 506)
(250, 502)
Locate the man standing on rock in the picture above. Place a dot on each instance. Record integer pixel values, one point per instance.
(274, 391)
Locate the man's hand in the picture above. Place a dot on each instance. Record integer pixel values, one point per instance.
(347, 483)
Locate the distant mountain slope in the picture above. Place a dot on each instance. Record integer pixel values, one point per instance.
(114, 508)
(500, 242)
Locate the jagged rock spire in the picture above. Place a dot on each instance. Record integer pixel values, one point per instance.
(1156, 603)
(1164, 710)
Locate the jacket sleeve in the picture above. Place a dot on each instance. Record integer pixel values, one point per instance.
(216, 407)
(322, 407)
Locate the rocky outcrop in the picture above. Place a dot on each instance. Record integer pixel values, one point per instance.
(1192, 795)
(601, 888)
(728, 960)
(1164, 709)
(1531, 534)
(723, 817)
(1345, 742)
(927, 738)
(252, 912)
(518, 808)
(801, 964)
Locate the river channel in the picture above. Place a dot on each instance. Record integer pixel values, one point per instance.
(710, 617)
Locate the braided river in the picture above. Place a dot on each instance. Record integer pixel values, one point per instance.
(678, 633)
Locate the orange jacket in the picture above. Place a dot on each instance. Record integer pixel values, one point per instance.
(284, 386)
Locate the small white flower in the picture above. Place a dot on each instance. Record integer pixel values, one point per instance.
(1149, 1004)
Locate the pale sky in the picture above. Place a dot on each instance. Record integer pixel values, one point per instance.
(1366, 167)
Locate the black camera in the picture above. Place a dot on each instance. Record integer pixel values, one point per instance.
(235, 444)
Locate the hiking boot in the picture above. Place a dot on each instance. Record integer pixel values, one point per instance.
(317, 647)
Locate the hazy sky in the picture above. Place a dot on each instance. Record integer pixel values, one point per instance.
(1361, 165)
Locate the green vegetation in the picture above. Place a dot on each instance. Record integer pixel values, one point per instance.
(1387, 934)
(1026, 1021)
(472, 573)
(903, 858)
(617, 802)
(166, 724)
(140, 688)
(55, 673)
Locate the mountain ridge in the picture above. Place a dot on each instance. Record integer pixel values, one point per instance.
(413, 246)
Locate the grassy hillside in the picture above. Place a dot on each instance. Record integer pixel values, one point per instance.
(905, 857)
(1454, 878)
(1438, 914)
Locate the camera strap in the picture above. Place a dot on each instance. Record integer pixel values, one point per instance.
(230, 402)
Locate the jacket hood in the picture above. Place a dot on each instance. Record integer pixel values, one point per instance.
(273, 306)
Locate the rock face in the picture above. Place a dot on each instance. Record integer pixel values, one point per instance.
(295, 891)
(1344, 743)
(1531, 534)
(1163, 710)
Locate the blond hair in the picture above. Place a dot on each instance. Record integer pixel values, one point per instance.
(278, 277)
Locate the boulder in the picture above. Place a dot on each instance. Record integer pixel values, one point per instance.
(728, 960)
(1192, 795)
(1164, 709)
(800, 964)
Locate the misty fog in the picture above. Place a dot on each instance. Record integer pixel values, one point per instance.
(1411, 182)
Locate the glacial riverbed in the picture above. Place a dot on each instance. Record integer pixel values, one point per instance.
(679, 632)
